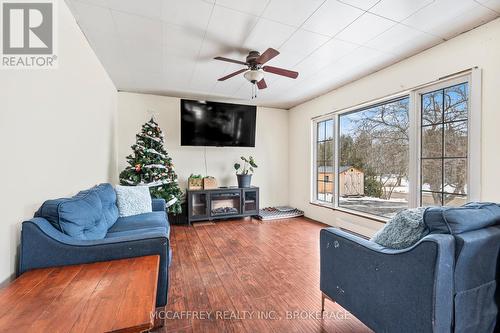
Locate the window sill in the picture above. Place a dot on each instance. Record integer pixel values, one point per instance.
(350, 212)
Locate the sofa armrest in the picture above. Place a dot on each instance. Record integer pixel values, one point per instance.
(390, 290)
(44, 246)
(477, 272)
(158, 204)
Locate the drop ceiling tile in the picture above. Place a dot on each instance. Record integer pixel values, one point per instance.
(137, 29)
(145, 81)
(192, 14)
(398, 10)
(101, 3)
(103, 39)
(140, 40)
(229, 28)
(303, 43)
(363, 59)
(268, 33)
(491, 4)
(331, 18)
(402, 40)
(103, 24)
(229, 87)
(177, 71)
(144, 57)
(254, 7)
(291, 12)
(332, 51)
(180, 43)
(152, 9)
(284, 85)
(363, 4)
(365, 28)
(206, 74)
(447, 18)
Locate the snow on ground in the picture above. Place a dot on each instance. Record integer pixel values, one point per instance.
(447, 188)
(373, 199)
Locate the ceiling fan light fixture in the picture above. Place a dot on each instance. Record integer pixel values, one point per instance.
(254, 75)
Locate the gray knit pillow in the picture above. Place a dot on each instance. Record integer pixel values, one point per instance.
(133, 200)
(403, 230)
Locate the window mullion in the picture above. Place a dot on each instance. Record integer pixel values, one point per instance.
(336, 160)
(474, 139)
(414, 160)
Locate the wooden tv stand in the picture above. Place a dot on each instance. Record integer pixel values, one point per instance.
(222, 203)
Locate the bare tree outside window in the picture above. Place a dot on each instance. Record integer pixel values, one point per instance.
(444, 146)
(373, 146)
(375, 141)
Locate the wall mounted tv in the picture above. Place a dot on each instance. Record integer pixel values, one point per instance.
(217, 124)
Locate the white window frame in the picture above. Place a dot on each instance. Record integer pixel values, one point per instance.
(314, 155)
(473, 133)
(473, 77)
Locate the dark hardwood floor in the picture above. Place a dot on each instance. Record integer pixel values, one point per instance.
(250, 276)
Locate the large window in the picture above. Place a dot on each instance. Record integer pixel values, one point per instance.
(374, 158)
(444, 146)
(409, 151)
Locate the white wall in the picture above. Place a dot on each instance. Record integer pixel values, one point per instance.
(57, 133)
(479, 47)
(270, 152)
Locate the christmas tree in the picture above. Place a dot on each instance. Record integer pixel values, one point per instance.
(151, 166)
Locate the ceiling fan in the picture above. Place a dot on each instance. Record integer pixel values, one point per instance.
(255, 69)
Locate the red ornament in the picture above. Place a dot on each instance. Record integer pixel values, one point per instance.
(137, 168)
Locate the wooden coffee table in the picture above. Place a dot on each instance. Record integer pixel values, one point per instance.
(111, 296)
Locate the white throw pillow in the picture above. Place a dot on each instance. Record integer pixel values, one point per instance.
(133, 200)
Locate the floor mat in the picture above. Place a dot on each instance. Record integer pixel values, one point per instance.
(276, 213)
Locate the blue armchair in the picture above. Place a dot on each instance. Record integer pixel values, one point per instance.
(43, 245)
(444, 283)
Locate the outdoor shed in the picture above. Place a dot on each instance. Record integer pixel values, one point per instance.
(351, 181)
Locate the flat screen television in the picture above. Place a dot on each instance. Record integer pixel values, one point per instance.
(217, 124)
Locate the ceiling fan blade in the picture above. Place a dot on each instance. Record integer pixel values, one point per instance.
(230, 60)
(280, 71)
(232, 74)
(267, 55)
(262, 84)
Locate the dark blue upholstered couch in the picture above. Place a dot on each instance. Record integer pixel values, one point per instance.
(43, 244)
(444, 283)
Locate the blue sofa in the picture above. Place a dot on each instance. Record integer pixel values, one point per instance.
(95, 233)
(444, 283)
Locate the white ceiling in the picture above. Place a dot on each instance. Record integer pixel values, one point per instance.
(166, 46)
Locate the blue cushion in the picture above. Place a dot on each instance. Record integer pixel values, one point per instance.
(141, 221)
(79, 217)
(456, 220)
(144, 233)
(107, 195)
